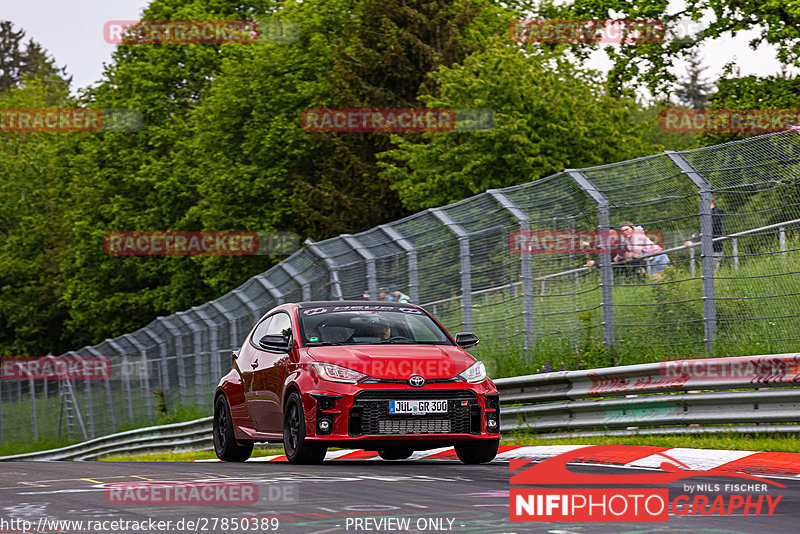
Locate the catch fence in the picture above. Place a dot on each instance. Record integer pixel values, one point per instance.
(531, 311)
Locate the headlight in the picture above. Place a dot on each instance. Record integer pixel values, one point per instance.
(474, 373)
(337, 373)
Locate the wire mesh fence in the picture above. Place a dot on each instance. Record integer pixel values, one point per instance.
(723, 282)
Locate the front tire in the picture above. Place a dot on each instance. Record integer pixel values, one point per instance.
(225, 444)
(478, 452)
(297, 449)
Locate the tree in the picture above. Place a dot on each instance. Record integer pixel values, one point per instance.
(693, 91)
(550, 115)
(17, 62)
(650, 64)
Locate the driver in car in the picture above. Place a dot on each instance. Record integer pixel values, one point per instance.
(382, 330)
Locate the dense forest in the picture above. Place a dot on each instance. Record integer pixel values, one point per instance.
(221, 146)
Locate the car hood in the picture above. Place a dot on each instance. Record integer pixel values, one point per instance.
(397, 361)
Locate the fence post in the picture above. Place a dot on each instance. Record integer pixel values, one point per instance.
(2, 434)
(735, 245)
(126, 379)
(528, 319)
(336, 287)
(214, 348)
(109, 399)
(606, 269)
(466, 275)
(162, 351)
(706, 244)
(231, 318)
(270, 287)
(146, 370)
(197, 345)
(411, 252)
(302, 281)
(244, 299)
(89, 408)
(34, 421)
(369, 258)
(178, 336)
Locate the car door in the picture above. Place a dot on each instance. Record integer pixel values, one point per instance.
(270, 374)
(247, 362)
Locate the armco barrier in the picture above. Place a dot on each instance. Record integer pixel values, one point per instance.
(679, 396)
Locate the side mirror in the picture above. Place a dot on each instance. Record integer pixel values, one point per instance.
(466, 340)
(276, 343)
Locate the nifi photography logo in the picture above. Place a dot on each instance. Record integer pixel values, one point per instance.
(563, 495)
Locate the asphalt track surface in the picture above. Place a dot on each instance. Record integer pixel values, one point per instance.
(435, 496)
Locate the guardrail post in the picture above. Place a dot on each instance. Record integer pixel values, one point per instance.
(109, 398)
(305, 285)
(126, 379)
(606, 269)
(176, 333)
(706, 244)
(411, 253)
(528, 319)
(146, 369)
(336, 287)
(466, 274)
(369, 259)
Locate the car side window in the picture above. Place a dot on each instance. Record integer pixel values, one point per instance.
(281, 324)
(261, 331)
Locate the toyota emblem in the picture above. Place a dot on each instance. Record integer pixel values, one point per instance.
(416, 381)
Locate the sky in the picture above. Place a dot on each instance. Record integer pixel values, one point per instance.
(72, 31)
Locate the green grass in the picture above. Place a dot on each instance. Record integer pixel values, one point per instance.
(654, 321)
(16, 417)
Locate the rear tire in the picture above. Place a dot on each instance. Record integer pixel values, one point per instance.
(297, 449)
(395, 453)
(478, 452)
(225, 444)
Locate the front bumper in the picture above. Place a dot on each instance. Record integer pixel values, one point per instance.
(345, 413)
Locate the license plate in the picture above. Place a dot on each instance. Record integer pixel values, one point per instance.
(417, 407)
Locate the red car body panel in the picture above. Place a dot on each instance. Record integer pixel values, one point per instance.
(260, 381)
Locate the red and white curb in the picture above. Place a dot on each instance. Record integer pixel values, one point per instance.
(775, 464)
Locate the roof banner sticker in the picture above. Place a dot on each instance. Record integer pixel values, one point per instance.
(364, 307)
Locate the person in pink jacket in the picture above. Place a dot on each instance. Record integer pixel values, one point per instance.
(637, 244)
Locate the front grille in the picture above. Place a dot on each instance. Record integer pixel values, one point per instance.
(418, 425)
(370, 413)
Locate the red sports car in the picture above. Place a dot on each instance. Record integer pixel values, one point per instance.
(379, 376)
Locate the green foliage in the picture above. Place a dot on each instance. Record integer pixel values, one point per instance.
(549, 115)
(650, 64)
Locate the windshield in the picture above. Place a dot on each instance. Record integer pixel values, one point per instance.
(369, 325)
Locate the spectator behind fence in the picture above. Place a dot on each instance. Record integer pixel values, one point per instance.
(716, 231)
(365, 296)
(383, 294)
(637, 244)
(398, 295)
(607, 242)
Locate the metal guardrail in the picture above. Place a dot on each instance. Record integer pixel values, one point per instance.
(671, 397)
(678, 396)
(191, 435)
